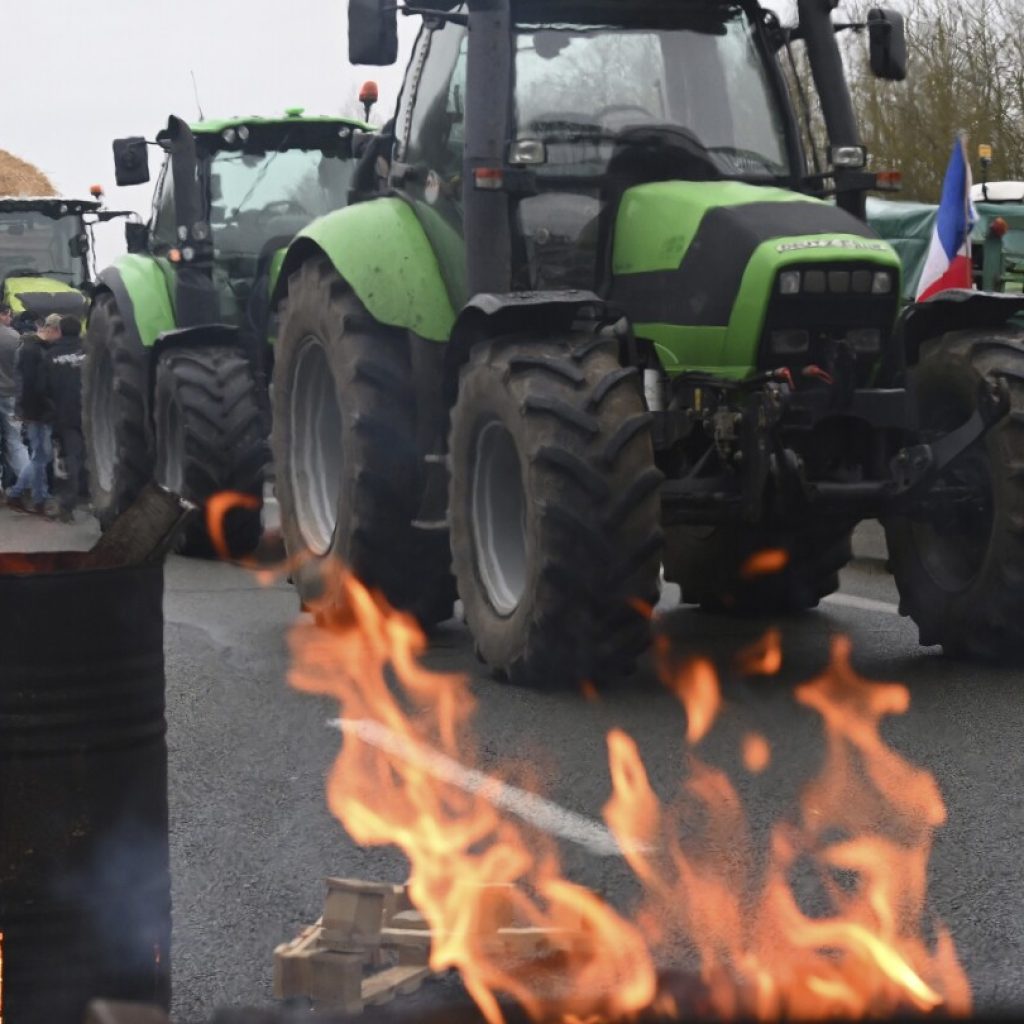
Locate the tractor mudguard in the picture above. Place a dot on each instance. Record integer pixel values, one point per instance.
(527, 313)
(380, 249)
(140, 289)
(955, 310)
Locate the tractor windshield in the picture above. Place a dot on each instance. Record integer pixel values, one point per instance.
(34, 244)
(261, 200)
(702, 83)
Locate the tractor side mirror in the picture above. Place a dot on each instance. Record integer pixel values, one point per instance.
(372, 32)
(136, 236)
(131, 161)
(887, 43)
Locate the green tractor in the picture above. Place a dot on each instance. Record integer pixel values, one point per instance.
(178, 353)
(601, 318)
(45, 245)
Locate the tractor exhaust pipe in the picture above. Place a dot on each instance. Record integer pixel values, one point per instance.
(195, 297)
(830, 82)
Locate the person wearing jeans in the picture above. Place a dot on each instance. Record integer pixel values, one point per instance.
(37, 411)
(12, 448)
(33, 476)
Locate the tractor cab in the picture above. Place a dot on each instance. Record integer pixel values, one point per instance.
(44, 249)
(230, 197)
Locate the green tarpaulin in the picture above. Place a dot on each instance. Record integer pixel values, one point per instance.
(908, 228)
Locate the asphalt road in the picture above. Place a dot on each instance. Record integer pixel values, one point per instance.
(252, 838)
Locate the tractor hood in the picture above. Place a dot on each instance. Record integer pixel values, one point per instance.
(696, 267)
(42, 296)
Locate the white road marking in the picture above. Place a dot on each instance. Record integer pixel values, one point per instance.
(864, 604)
(535, 810)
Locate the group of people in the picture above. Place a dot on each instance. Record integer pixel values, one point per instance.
(40, 408)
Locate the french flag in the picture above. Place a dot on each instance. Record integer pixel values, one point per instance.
(949, 257)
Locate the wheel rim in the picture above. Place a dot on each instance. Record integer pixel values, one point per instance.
(316, 455)
(953, 550)
(101, 415)
(173, 475)
(499, 518)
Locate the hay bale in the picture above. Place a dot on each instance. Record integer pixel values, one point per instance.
(19, 178)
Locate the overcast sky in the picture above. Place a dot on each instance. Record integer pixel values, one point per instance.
(76, 75)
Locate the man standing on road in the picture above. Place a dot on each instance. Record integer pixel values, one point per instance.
(12, 449)
(64, 389)
(37, 411)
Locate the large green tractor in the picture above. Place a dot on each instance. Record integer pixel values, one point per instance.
(45, 246)
(601, 318)
(178, 351)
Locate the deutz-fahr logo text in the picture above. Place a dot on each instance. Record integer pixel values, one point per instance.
(833, 243)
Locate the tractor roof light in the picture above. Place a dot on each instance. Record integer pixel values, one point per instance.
(369, 93)
(243, 133)
(229, 135)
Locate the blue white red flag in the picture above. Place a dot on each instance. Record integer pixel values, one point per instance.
(949, 256)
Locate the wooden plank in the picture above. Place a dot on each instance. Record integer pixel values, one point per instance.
(383, 987)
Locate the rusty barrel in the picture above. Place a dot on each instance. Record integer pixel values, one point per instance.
(84, 867)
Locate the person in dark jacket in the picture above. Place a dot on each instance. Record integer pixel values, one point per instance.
(64, 360)
(36, 411)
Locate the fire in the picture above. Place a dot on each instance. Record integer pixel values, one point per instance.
(765, 563)
(853, 944)
(761, 954)
(217, 508)
(385, 793)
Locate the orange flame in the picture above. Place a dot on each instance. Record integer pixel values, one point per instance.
(763, 658)
(392, 793)
(765, 563)
(762, 955)
(863, 833)
(217, 508)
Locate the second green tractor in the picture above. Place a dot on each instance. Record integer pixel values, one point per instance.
(178, 342)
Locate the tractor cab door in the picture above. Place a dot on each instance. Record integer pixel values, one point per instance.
(163, 221)
(429, 143)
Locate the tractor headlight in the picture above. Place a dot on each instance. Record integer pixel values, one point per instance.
(789, 343)
(867, 340)
(789, 282)
(815, 282)
(881, 284)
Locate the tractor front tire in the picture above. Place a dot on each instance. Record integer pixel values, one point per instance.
(210, 437)
(717, 567)
(349, 468)
(555, 510)
(960, 569)
(115, 412)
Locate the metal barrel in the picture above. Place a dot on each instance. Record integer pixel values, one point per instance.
(85, 902)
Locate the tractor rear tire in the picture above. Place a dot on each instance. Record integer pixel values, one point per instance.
(115, 412)
(349, 468)
(961, 577)
(555, 510)
(210, 437)
(713, 566)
